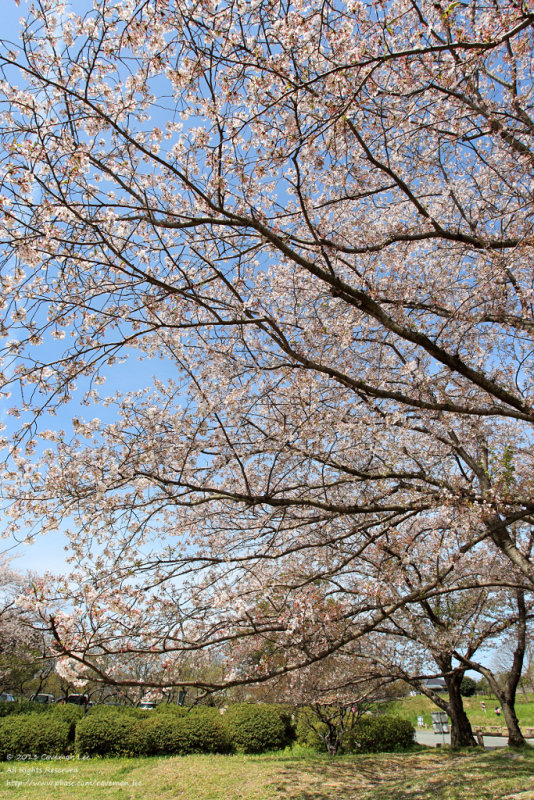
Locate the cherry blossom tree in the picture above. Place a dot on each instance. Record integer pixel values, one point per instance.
(314, 221)
(443, 637)
(472, 610)
(22, 650)
(505, 691)
(437, 633)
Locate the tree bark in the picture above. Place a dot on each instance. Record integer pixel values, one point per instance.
(506, 695)
(515, 737)
(461, 731)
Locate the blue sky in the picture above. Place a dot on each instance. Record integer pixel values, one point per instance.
(10, 18)
(46, 553)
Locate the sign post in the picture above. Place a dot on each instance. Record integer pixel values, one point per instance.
(440, 723)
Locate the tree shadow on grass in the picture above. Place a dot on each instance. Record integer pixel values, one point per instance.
(451, 776)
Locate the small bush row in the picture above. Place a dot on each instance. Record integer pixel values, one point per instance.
(380, 735)
(153, 735)
(256, 728)
(172, 730)
(368, 734)
(37, 734)
(169, 730)
(29, 707)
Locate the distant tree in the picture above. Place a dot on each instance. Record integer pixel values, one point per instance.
(21, 646)
(483, 687)
(468, 686)
(505, 685)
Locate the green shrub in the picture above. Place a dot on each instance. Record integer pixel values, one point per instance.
(8, 709)
(22, 707)
(115, 711)
(256, 728)
(210, 713)
(172, 734)
(204, 712)
(468, 686)
(308, 728)
(111, 734)
(69, 712)
(379, 734)
(36, 734)
(170, 709)
(286, 714)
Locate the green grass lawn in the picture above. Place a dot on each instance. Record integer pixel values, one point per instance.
(412, 707)
(292, 775)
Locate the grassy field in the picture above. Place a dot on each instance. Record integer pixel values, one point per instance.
(412, 707)
(292, 775)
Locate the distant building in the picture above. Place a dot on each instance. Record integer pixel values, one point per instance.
(438, 684)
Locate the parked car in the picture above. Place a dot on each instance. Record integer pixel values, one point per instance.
(5, 697)
(147, 705)
(42, 698)
(76, 699)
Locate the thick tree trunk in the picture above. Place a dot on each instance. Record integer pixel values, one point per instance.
(515, 737)
(461, 731)
(506, 696)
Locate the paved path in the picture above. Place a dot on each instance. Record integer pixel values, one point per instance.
(434, 739)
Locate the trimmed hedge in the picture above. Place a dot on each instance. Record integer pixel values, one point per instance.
(379, 734)
(129, 731)
(69, 712)
(114, 711)
(287, 717)
(111, 734)
(366, 735)
(256, 728)
(36, 734)
(170, 709)
(23, 707)
(116, 734)
(7, 709)
(181, 735)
